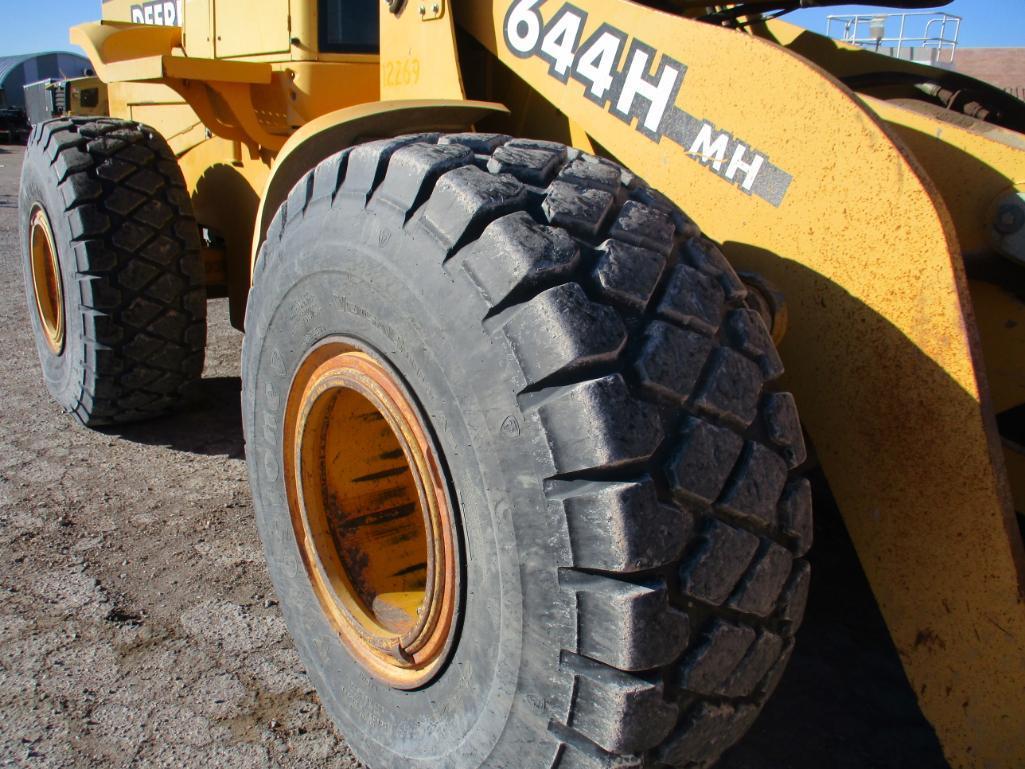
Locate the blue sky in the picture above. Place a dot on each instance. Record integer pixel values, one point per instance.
(987, 23)
(38, 25)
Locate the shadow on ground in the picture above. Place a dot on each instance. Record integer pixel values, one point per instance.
(210, 425)
(845, 699)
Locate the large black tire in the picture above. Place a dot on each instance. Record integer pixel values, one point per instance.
(632, 524)
(129, 255)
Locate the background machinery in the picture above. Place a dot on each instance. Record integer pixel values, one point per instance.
(527, 489)
(53, 98)
(13, 125)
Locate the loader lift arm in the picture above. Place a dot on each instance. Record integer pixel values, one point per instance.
(883, 351)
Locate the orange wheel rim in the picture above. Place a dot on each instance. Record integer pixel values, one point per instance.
(47, 286)
(370, 511)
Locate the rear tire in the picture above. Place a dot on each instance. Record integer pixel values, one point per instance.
(632, 524)
(131, 284)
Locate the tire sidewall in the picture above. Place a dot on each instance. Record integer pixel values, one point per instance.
(63, 373)
(361, 274)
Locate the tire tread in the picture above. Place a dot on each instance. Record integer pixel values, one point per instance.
(141, 280)
(686, 514)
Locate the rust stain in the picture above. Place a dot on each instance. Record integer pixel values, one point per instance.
(928, 638)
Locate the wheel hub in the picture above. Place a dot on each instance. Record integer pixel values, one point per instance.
(47, 287)
(370, 511)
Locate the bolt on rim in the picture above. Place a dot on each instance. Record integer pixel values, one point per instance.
(47, 286)
(370, 511)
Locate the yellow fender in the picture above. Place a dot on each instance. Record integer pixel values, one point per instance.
(333, 132)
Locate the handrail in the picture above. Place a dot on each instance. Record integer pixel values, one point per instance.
(946, 39)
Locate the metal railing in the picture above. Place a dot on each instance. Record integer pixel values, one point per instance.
(937, 33)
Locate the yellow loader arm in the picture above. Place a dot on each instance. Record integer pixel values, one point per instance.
(862, 212)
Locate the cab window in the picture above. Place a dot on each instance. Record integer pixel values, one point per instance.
(349, 26)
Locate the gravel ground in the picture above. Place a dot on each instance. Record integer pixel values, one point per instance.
(138, 626)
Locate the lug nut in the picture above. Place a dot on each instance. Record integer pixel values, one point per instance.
(1010, 219)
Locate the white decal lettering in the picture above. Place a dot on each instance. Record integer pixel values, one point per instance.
(643, 85)
(657, 95)
(166, 13)
(596, 64)
(706, 150)
(523, 27)
(560, 42)
(750, 170)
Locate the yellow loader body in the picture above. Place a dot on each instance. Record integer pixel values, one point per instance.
(879, 218)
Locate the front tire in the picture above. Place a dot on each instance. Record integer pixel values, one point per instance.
(630, 524)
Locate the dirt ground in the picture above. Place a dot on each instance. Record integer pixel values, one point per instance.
(138, 626)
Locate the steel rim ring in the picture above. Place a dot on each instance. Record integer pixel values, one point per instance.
(370, 511)
(47, 284)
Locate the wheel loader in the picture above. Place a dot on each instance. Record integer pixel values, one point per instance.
(532, 291)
